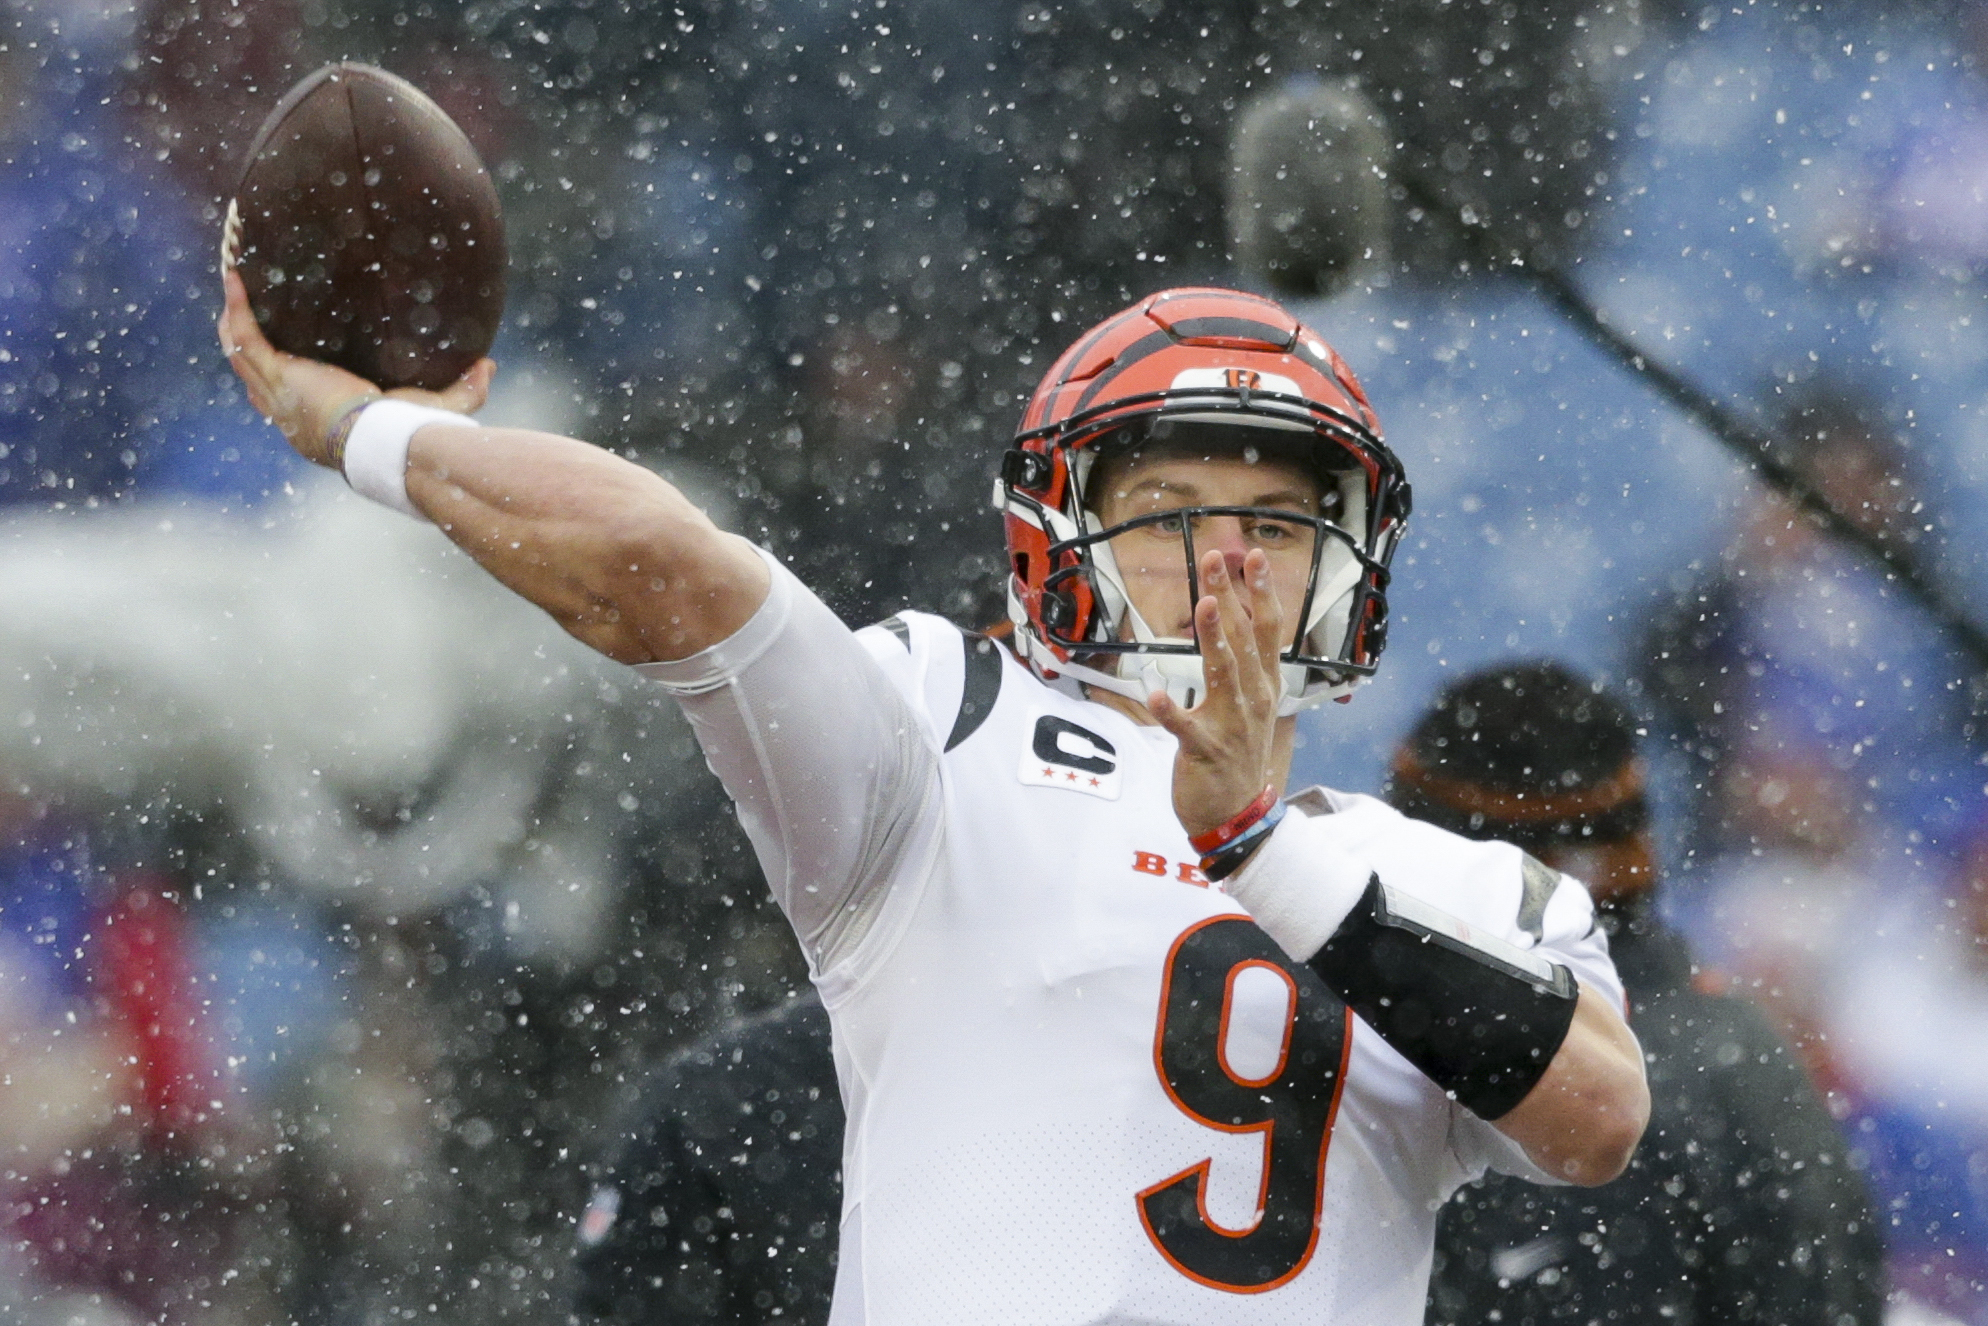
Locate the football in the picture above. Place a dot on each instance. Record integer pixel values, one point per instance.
(367, 231)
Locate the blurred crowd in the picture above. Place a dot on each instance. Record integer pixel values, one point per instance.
(344, 902)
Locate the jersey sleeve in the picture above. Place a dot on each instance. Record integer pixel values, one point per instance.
(820, 736)
(1556, 917)
(1568, 930)
(1498, 890)
(1305, 879)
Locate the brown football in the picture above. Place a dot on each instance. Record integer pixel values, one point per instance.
(367, 231)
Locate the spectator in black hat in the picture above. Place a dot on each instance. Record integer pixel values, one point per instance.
(1739, 1206)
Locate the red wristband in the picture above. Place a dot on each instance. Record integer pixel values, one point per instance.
(1223, 834)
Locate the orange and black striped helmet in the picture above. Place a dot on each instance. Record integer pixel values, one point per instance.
(1244, 373)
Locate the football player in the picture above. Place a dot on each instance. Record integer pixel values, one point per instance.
(1123, 1033)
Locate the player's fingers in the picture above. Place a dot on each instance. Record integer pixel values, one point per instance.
(1211, 630)
(1189, 726)
(1242, 681)
(254, 384)
(224, 326)
(1265, 607)
(467, 393)
(234, 307)
(1170, 715)
(1267, 633)
(1261, 631)
(241, 338)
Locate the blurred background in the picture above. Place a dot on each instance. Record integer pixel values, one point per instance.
(344, 902)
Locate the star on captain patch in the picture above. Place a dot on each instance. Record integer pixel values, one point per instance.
(1063, 754)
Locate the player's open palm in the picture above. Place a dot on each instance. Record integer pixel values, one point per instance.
(304, 397)
(1228, 740)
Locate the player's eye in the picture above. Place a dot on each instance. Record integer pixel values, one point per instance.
(1276, 535)
(1168, 527)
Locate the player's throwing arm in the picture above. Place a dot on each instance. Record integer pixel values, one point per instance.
(621, 559)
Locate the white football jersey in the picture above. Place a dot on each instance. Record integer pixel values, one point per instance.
(1082, 1086)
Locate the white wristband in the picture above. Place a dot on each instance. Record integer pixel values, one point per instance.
(1300, 885)
(376, 450)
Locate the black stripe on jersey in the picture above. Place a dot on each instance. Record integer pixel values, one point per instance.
(982, 688)
(896, 626)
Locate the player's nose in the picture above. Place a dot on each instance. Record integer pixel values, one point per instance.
(1224, 534)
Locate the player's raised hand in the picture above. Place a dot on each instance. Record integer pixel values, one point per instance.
(303, 397)
(1228, 740)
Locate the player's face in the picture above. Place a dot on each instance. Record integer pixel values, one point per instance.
(1152, 558)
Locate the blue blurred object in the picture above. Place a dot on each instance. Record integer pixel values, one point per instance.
(1556, 498)
(1930, 1178)
(46, 882)
(273, 980)
(111, 380)
(1799, 196)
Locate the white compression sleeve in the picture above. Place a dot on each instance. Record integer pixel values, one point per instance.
(376, 450)
(1300, 885)
(833, 777)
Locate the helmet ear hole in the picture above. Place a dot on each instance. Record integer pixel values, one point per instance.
(1029, 471)
(1059, 611)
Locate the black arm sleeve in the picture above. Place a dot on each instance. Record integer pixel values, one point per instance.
(1480, 1017)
